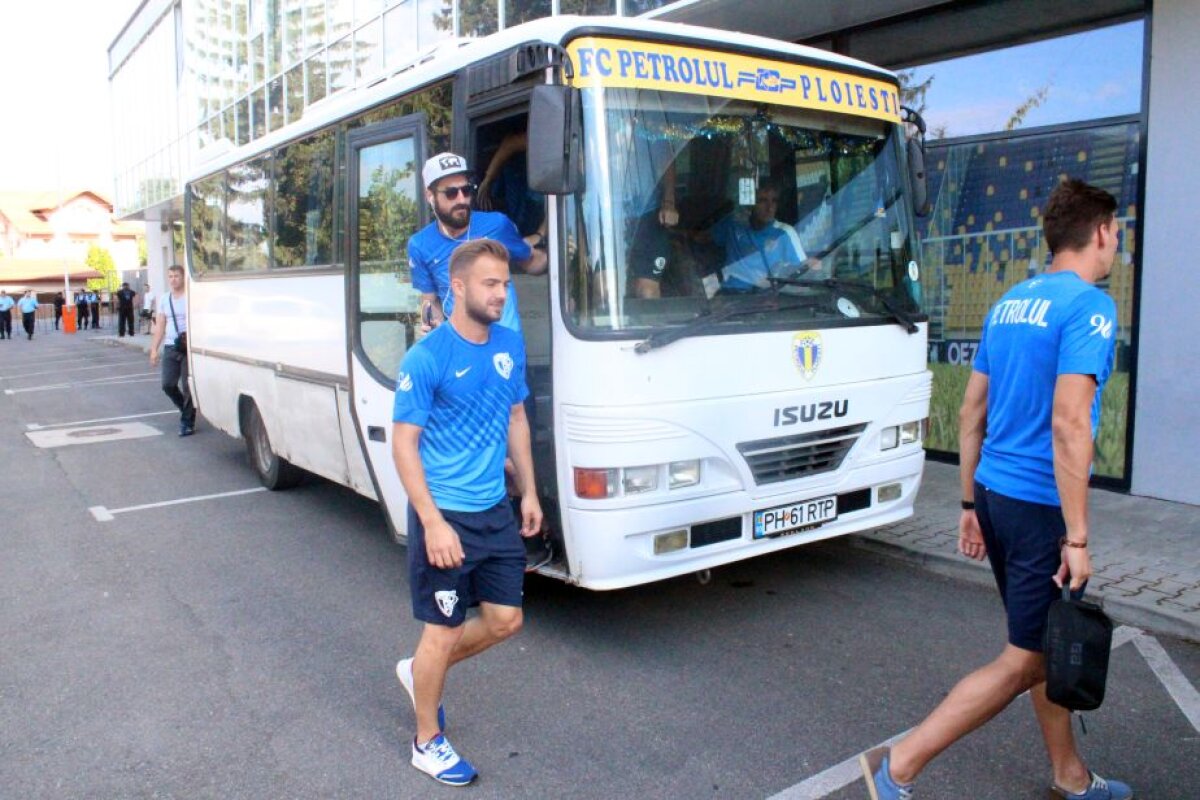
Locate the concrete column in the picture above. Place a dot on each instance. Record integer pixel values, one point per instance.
(1166, 446)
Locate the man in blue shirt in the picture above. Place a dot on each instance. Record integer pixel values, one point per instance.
(1026, 428)
(448, 192)
(758, 246)
(28, 305)
(6, 305)
(458, 413)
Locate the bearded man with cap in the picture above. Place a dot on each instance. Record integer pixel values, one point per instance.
(448, 190)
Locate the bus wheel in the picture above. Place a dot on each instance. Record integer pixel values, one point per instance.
(275, 473)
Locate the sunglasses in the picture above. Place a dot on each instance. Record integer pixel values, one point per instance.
(452, 192)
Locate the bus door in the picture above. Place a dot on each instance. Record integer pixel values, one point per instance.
(385, 207)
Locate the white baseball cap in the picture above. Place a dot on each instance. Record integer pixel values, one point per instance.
(441, 165)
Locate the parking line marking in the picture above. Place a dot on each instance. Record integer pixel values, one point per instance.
(115, 381)
(103, 514)
(35, 426)
(60, 371)
(1172, 679)
(836, 777)
(91, 434)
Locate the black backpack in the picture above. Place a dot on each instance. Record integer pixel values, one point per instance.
(1077, 643)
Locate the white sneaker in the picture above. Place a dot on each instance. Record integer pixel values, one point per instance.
(438, 760)
(404, 673)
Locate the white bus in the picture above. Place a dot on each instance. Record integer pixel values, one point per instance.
(676, 429)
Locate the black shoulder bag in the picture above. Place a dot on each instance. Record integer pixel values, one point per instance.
(1077, 643)
(180, 343)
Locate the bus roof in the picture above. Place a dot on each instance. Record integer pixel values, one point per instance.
(454, 54)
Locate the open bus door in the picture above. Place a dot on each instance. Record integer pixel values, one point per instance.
(385, 208)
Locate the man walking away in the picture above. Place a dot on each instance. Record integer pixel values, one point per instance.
(1026, 428)
(6, 307)
(28, 305)
(81, 309)
(459, 410)
(170, 343)
(125, 297)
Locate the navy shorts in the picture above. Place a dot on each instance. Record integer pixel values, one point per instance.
(492, 572)
(1023, 548)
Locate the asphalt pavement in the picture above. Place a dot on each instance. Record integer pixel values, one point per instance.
(242, 643)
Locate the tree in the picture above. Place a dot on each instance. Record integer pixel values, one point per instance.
(101, 261)
(143, 257)
(1032, 102)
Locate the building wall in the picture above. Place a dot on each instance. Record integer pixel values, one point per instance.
(1166, 460)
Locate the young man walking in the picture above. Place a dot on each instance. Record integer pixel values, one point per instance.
(169, 344)
(1026, 428)
(458, 412)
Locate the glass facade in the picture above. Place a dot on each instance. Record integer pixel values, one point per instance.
(211, 75)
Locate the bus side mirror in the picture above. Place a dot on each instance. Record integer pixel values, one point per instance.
(918, 188)
(555, 152)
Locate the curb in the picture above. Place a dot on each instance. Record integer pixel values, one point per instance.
(1121, 610)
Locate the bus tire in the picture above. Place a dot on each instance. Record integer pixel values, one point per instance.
(275, 472)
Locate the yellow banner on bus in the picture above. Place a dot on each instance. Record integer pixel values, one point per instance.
(624, 63)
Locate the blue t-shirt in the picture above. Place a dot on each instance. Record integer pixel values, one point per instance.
(753, 255)
(429, 253)
(28, 305)
(462, 393)
(1055, 324)
(6, 303)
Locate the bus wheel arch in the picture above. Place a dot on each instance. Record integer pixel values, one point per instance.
(274, 471)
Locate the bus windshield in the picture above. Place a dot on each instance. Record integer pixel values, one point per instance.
(750, 215)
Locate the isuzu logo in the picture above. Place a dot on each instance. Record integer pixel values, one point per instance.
(826, 409)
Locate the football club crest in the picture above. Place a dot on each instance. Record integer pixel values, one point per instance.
(504, 364)
(405, 383)
(446, 601)
(806, 353)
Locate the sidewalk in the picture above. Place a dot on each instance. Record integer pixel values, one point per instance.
(1145, 552)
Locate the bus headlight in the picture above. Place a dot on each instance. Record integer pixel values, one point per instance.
(906, 433)
(683, 473)
(635, 480)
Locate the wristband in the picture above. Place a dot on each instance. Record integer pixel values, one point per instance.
(968, 505)
(1068, 543)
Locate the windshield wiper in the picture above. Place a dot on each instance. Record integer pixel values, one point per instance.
(898, 314)
(707, 319)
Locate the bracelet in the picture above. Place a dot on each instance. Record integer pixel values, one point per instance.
(1068, 543)
(968, 505)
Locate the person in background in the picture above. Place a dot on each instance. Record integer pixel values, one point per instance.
(448, 191)
(59, 302)
(81, 309)
(125, 297)
(28, 305)
(1028, 420)
(94, 308)
(147, 307)
(6, 306)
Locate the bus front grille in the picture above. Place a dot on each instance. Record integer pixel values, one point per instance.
(789, 457)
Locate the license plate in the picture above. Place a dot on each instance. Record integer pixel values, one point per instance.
(795, 517)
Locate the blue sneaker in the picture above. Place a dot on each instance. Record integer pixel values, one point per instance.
(1099, 789)
(880, 783)
(404, 673)
(438, 760)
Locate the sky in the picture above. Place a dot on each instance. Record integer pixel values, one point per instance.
(1088, 75)
(57, 134)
